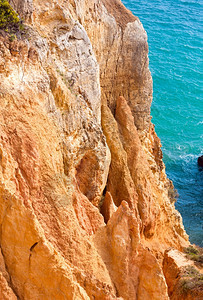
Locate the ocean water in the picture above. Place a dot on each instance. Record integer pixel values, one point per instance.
(174, 29)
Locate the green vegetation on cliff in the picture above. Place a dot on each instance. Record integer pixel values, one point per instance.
(10, 22)
(195, 254)
(193, 280)
(9, 19)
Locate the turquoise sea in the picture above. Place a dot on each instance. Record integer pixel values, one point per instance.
(174, 29)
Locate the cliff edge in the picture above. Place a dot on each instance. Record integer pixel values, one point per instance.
(86, 209)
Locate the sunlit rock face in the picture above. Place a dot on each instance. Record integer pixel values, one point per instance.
(85, 211)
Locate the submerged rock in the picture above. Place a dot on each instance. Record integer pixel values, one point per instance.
(200, 161)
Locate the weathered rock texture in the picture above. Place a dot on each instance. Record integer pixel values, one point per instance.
(85, 206)
(184, 278)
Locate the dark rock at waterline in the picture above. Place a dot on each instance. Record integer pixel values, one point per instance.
(200, 161)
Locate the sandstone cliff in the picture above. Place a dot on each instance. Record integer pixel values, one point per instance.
(86, 210)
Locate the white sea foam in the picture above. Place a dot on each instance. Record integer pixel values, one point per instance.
(188, 157)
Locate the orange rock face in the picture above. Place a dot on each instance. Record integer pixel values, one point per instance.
(131, 178)
(133, 268)
(5, 289)
(85, 208)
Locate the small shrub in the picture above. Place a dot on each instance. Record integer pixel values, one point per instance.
(195, 254)
(190, 271)
(191, 250)
(8, 17)
(12, 37)
(192, 279)
(21, 26)
(186, 285)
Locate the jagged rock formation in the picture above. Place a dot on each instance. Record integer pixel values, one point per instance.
(85, 205)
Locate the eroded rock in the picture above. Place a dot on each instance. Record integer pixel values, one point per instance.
(56, 166)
